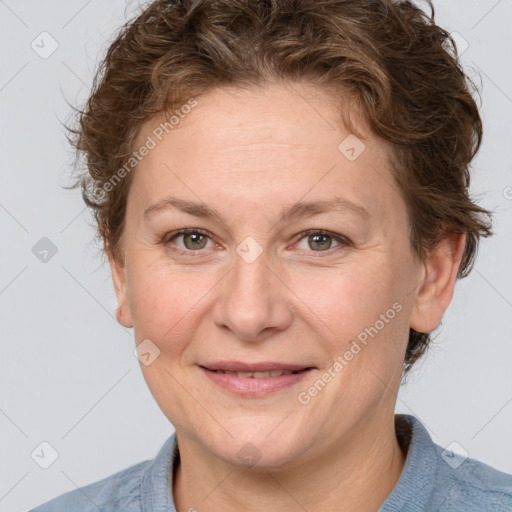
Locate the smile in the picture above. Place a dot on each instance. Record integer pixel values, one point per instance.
(257, 375)
(255, 384)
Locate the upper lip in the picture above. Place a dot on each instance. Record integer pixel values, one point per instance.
(264, 366)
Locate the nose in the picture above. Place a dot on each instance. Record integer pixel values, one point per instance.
(254, 302)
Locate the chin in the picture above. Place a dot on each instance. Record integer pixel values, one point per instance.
(257, 442)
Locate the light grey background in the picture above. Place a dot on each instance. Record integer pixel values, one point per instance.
(68, 374)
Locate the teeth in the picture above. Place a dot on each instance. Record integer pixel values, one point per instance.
(258, 375)
(250, 374)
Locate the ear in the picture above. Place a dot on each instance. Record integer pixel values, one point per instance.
(438, 282)
(123, 312)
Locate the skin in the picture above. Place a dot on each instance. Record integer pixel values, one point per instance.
(248, 155)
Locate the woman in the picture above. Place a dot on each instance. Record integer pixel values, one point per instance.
(224, 140)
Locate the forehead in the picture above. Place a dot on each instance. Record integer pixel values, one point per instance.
(234, 119)
(264, 147)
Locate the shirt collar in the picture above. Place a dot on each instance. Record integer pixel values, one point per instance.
(413, 490)
(415, 487)
(156, 482)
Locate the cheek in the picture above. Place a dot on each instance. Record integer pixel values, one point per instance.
(346, 298)
(359, 314)
(164, 302)
(167, 306)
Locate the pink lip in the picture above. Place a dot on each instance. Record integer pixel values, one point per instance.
(264, 366)
(253, 386)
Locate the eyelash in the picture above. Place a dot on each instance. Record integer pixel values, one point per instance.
(166, 239)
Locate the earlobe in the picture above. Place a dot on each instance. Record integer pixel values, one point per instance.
(436, 289)
(121, 317)
(123, 313)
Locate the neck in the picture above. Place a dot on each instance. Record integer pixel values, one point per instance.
(358, 472)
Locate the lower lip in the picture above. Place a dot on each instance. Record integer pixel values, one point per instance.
(253, 386)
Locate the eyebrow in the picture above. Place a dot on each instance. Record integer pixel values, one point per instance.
(298, 210)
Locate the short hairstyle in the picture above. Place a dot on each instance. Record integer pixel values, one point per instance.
(399, 69)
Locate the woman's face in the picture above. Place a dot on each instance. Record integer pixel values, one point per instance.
(258, 288)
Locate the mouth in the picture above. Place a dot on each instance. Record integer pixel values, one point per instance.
(260, 367)
(256, 383)
(258, 375)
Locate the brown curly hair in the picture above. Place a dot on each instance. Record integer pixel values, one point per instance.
(400, 69)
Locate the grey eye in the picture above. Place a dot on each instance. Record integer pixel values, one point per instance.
(194, 240)
(322, 242)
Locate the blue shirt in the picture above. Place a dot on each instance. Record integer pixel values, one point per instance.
(433, 479)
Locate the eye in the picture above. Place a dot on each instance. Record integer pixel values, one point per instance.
(194, 239)
(319, 240)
